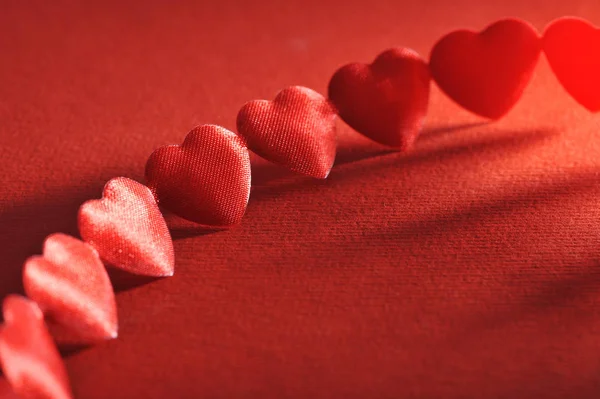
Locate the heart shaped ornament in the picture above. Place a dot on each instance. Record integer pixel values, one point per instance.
(206, 179)
(71, 286)
(30, 361)
(487, 72)
(387, 100)
(572, 47)
(128, 230)
(296, 130)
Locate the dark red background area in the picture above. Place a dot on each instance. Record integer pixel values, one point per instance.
(467, 268)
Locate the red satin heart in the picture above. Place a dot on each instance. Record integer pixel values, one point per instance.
(387, 100)
(128, 230)
(71, 286)
(30, 361)
(486, 72)
(296, 130)
(572, 46)
(206, 179)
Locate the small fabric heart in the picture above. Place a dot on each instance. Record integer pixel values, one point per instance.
(206, 179)
(71, 286)
(572, 46)
(486, 72)
(30, 361)
(296, 130)
(128, 230)
(387, 100)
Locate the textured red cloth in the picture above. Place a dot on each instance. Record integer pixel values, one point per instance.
(467, 268)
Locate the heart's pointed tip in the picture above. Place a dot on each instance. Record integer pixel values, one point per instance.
(225, 224)
(162, 267)
(112, 333)
(318, 173)
(103, 330)
(324, 174)
(217, 223)
(166, 273)
(157, 273)
(493, 118)
(148, 269)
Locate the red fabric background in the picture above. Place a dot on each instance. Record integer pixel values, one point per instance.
(468, 268)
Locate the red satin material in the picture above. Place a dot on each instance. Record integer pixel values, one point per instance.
(6, 391)
(206, 179)
(128, 230)
(296, 130)
(572, 46)
(30, 361)
(486, 72)
(71, 286)
(387, 100)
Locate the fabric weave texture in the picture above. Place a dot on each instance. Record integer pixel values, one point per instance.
(465, 268)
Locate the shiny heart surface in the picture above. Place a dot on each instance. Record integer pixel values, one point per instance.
(486, 72)
(30, 361)
(206, 179)
(71, 286)
(296, 130)
(387, 100)
(572, 46)
(6, 391)
(127, 229)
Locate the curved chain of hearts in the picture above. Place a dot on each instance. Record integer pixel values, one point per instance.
(206, 179)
